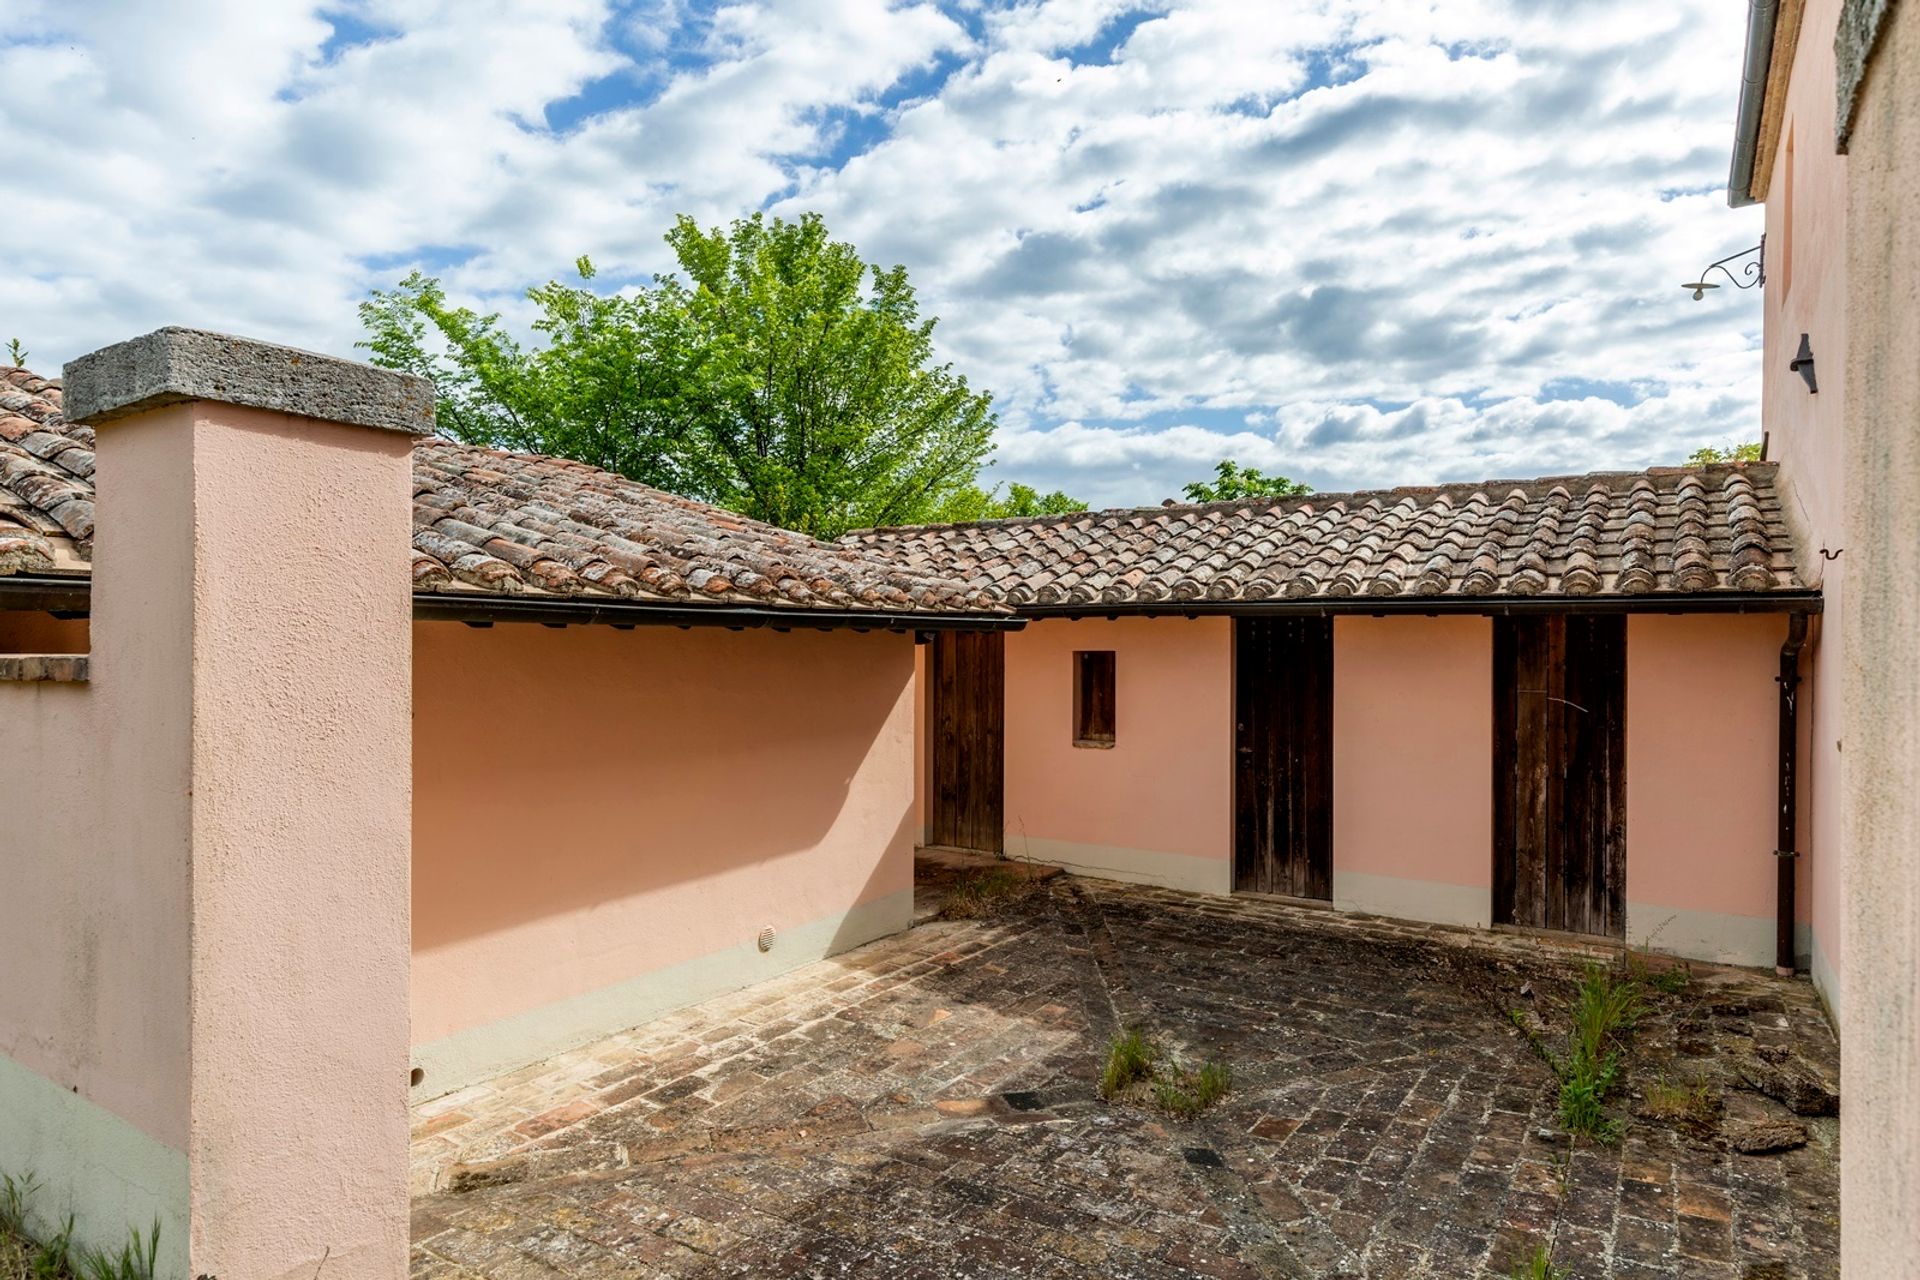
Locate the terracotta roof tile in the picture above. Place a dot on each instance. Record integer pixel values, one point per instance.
(504, 523)
(1671, 530)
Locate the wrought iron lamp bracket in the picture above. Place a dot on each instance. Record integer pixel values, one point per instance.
(1753, 272)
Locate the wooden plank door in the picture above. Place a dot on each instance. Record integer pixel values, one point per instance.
(1283, 754)
(1560, 812)
(967, 671)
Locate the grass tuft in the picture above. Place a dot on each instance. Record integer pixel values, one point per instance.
(984, 892)
(1538, 1266)
(26, 1256)
(1605, 1008)
(1135, 1065)
(1129, 1061)
(1696, 1105)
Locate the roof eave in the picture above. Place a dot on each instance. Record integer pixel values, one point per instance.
(1753, 96)
(71, 596)
(1783, 600)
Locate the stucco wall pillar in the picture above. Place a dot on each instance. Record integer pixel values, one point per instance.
(251, 644)
(1880, 1020)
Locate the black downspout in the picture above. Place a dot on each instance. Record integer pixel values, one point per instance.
(1784, 854)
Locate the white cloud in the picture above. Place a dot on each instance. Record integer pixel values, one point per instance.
(1357, 243)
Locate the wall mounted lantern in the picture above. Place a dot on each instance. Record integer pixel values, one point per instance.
(1752, 273)
(1802, 364)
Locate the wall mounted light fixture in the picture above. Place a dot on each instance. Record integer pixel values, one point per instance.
(1802, 364)
(1751, 273)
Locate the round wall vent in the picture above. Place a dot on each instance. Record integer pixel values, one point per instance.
(766, 938)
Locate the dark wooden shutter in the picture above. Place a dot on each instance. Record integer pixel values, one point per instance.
(1093, 698)
(967, 671)
(1560, 773)
(1283, 776)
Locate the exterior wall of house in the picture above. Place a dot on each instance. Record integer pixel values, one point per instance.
(1880, 1023)
(1157, 806)
(1413, 768)
(605, 820)
(1703, 732)
(205, 921)
(93, 1012)
(1807, 292)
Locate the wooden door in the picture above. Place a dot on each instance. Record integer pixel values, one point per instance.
(967, 678)
(1559, 770)
(1283, 753)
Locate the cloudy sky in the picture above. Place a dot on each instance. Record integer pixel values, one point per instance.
(1362, 243)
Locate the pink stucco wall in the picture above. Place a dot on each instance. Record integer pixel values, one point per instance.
(1805, 432)
(1413, 766)
(1702, 747)
(595, 806)
(205, 933)
(1413, 761)
(300, 797)
(1157, 805)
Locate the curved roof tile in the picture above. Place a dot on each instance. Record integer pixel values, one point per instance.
(1692, 530)
(502, 523)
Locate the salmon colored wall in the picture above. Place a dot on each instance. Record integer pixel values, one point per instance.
(1413, 760)
(1413, 757)
(208, 962)
(591, 805)
(1164, 789)
(1702, 749)
(1806, 432)
(33, 632)
(300, 753)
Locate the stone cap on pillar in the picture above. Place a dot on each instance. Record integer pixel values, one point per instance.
(173, 365)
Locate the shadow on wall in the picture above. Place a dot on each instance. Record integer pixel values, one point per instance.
(558, 770)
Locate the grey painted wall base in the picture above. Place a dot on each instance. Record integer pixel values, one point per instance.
(1713, 936)
(1826, 978)
(1428, 901)
(481, 1053)
(89, 1163)
(1134, 866)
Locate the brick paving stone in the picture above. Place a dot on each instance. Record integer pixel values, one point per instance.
(926, 1106)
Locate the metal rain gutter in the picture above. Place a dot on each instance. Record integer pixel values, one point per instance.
(72, 597)
(1753, 96)
(1795, 600)
(559, 611)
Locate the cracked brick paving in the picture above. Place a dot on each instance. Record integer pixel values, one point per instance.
(926, 1106)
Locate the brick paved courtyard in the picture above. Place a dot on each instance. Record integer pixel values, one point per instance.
(927, 1106)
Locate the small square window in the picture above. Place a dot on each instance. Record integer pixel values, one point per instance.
(1093, 698)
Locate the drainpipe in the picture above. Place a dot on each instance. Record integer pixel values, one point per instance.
(1753, 94)
(1785, 856)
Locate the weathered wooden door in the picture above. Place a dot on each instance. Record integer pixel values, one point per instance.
(1559, 772)
(1283, 754)
(967, 671)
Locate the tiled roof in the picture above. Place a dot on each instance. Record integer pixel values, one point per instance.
(1671, 530)
(492, 522)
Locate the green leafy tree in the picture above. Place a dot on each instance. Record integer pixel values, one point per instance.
(782, 377)
(1231, 480)
(16, 354)
(975, 503)
(1749, 452)
(607, 388)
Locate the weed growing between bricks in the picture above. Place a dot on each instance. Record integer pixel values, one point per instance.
(1538, 1266)
(989, 891)
(1137, 1070)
